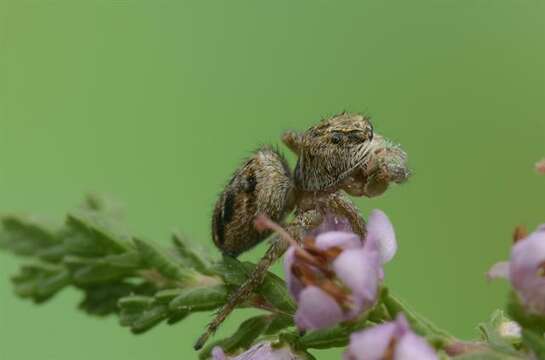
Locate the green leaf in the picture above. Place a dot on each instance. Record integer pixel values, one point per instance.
(175, 317)
(102, 299)
(52, 254)
(231, 270)
(99, 270)
(535, 342)
(190, 256)
(28, 236)
(149, 318)
(141, 313)
(200, 298)
(136, 303)
(337, 336)
(246, 333)
(278, 323)
(528, 321)
(40, 281)
(155, 258)
(274, 290)
(91, 234)
(243, 338)
(167, 295)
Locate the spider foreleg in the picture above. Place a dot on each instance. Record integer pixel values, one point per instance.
(297, 228)
(343, 206)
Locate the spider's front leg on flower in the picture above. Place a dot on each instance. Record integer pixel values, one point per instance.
(301, 224)
(344, 208)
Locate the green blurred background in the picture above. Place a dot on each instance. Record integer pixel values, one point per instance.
(156, 102)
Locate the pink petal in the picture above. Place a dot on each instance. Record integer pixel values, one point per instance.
(402, 324)
(317, 310)
(218, 354)
(343, 239)
(373, 343)
(380, 233)
(529, 252)
(359, 270)
(527, 256)
(411, 347)
(499, 270)
(294, 286)
(370, 344)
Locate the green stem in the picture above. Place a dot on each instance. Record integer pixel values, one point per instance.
(420, 324)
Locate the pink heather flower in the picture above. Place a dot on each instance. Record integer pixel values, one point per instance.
(393, 340)
(335, 277)
(540, 167)
(261, 351)
(525, 270)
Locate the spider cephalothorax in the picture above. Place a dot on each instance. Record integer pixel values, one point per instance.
(330, 151)
(339, 155)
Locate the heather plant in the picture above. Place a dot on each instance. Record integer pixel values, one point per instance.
(332, 293)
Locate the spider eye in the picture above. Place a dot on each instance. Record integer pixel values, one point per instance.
(336, 138)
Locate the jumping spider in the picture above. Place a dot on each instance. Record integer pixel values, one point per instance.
(339, 155)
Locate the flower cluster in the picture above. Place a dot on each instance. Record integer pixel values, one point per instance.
(526, 269)
(335, 276)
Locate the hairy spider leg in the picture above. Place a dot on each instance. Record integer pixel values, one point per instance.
(301, 224)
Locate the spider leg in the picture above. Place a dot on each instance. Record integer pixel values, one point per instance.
(343, 206)
(301, 224)
(292, 140)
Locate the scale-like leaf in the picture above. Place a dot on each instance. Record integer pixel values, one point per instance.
(337, 336)
(28, 236)
(155, 258)
(231, 270)
(102, 299)
(141, 313)
(278, 323)
(90, 234)
(98, 270)
(274, 290)
(40, 281)
(200, 298)
(190, 256)
(535, 342)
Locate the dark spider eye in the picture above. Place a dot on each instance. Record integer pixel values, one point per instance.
(359, 136)
(336, 138)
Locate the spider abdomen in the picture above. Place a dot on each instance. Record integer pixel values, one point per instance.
(262, 185)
